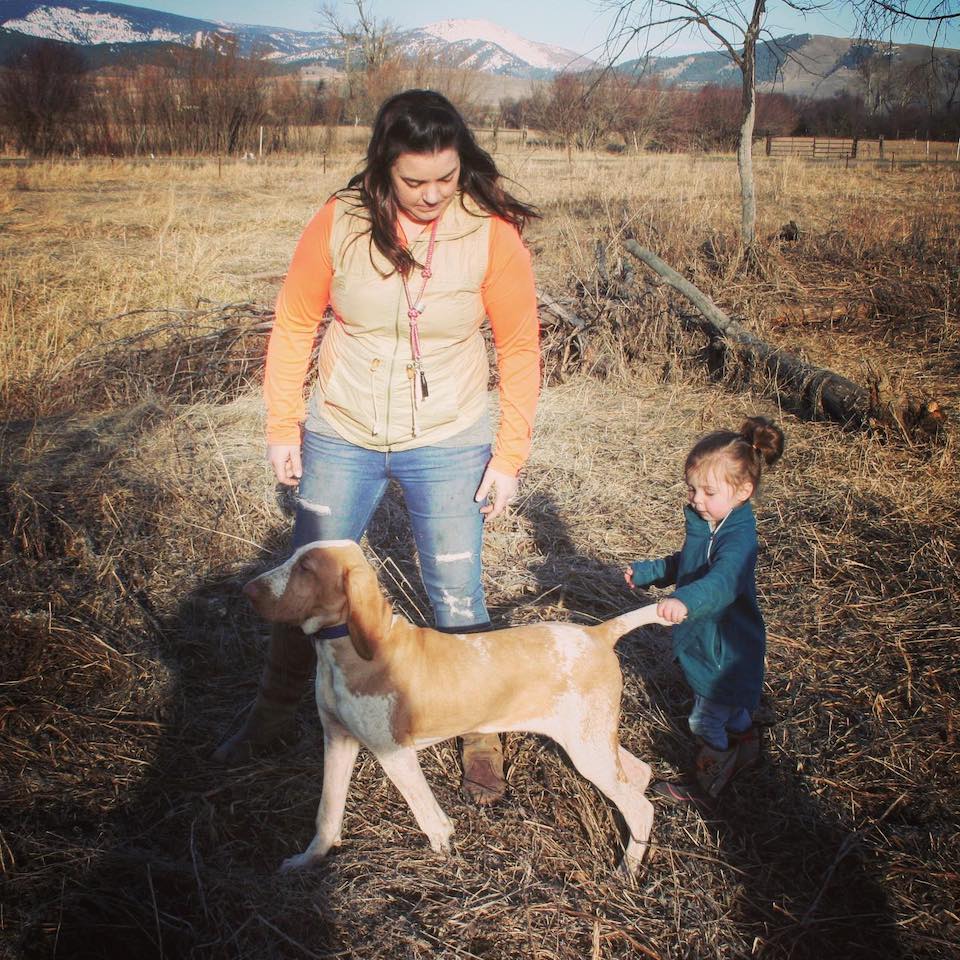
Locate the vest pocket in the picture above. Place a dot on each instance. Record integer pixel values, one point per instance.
(353, 390)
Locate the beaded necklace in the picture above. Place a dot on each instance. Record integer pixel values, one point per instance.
(415, 310)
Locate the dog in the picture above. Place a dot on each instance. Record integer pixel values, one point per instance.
(397, 688)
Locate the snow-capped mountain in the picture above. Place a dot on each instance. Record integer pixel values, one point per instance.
(92, 23)
(98, 23)
(803, 64)
(494, 48)
(475, 44)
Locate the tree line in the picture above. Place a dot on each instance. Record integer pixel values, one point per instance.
(586, 113)
(213, 101)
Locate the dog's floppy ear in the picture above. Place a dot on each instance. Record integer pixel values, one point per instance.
(368, 613)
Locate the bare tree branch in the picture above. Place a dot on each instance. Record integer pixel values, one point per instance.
(735, 27)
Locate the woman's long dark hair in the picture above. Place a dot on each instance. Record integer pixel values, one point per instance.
(422, 121)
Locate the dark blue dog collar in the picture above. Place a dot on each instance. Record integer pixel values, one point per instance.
(331, 633)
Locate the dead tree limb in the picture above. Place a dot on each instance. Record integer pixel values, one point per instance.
(561, 312)
(823, 392)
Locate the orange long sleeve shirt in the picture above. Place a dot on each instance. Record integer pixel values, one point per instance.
(509, 299)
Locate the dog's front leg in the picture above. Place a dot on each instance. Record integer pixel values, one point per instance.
(340, 750)
(402, 767)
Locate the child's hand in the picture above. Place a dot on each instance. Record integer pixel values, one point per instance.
(628, 576)
(672, 609)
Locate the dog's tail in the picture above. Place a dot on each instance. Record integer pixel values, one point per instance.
(613, 630)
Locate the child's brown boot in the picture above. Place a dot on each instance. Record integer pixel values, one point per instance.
(715, 768)
(272, 718)
(748, 748)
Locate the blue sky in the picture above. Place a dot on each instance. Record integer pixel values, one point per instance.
(579, 25)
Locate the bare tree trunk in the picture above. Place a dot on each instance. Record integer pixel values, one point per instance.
(748, 67)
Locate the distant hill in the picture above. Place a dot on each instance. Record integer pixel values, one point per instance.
(470, 44)
(805, 64)
(801, 64)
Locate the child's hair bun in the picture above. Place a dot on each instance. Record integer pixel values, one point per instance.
(765, 437)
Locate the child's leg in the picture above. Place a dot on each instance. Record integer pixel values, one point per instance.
(718, 756)
(721, 754)
(708, 720)
(746, 738)
(739, 721)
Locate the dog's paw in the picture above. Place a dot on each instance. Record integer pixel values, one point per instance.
(440, 842)
(630, 866)
(301, 861)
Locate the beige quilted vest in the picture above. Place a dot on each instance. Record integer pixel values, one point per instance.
(365, 386)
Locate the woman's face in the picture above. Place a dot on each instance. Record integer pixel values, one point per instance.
(424, 183)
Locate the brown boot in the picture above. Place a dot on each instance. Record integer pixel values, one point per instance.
(748, 748)
(682, 792)
(483, 779)
(715, 768)
(289, 666)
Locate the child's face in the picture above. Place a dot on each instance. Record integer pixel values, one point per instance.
(713, 497)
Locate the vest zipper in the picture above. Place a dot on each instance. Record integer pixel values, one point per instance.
(412, 378)
(373, 393)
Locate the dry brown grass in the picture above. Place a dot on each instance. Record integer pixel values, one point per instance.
(135, 503)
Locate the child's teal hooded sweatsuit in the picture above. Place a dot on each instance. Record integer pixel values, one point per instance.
(722, 642)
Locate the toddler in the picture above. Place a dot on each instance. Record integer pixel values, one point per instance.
(719, 637)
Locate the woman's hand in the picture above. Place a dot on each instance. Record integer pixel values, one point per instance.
(628, 576)
(285, 460)
(672, 609)
(503, 487)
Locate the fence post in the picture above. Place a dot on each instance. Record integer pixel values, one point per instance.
(958, 148)
(853, 149)
(769, 144)
(260, 155)
(881, 146)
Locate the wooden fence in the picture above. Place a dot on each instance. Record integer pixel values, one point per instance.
(855, 148)
(831, 148)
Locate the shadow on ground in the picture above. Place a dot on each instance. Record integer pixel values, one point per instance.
(799, 883)
(126, 842)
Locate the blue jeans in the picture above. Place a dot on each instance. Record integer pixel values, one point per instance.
(711, 721)
(343, 483)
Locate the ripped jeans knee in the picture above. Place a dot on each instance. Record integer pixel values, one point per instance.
(453, 583)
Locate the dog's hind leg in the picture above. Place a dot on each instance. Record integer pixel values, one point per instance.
(340, 750)
(638, 772)
(622, 778)
(402, 767)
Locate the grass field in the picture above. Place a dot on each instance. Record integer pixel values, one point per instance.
(135, 503)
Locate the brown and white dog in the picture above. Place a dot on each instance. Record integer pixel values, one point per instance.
(396, 688)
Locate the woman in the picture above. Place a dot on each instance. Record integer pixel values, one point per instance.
(419, 247)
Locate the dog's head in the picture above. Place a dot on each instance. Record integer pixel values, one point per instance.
(325, 583)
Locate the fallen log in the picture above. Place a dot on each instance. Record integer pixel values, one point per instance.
(821, 392)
